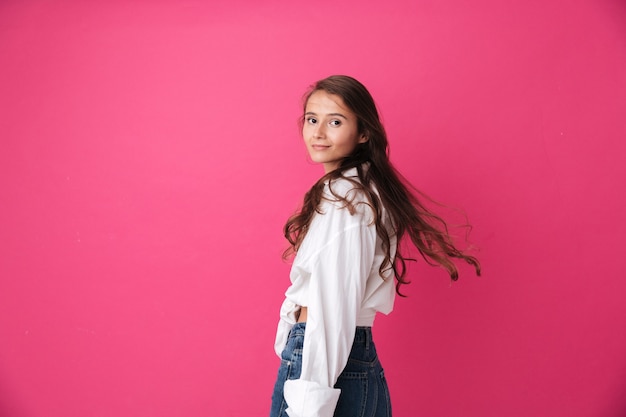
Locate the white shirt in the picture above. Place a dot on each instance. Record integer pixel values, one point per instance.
(335, 274)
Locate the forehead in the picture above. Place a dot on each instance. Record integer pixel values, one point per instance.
(323, 102)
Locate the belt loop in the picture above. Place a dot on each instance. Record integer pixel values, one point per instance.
(368, 337)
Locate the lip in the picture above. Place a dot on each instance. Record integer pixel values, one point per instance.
(320, 147)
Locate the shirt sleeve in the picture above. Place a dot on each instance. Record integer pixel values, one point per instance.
(288, 318)
(338, 277)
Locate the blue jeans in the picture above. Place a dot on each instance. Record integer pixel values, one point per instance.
(364, 391)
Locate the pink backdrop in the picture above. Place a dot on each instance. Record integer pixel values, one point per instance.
(150, 154)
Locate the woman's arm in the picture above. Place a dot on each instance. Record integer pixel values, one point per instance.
(338, 269)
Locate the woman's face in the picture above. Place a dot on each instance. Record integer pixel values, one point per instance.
(330, 129)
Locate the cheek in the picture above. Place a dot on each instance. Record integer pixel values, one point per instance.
(350, 142)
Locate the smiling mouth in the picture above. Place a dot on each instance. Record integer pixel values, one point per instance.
(318, 147)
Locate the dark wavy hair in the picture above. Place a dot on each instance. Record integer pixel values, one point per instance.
(384, 187)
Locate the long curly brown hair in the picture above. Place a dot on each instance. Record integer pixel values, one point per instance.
(384, 187)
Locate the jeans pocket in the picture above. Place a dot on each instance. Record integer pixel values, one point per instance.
(295, 366)
(278, 402)
(354, 388)
(385, 398)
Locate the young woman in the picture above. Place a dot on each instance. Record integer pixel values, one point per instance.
(347, 265)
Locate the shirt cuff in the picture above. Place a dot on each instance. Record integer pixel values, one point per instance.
(310, 399)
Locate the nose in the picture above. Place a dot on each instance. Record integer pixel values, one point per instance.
(319, 131)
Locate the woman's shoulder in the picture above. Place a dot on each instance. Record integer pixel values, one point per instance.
(346, 194)
(346, 186)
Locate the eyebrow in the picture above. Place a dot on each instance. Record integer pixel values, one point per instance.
(329, 114)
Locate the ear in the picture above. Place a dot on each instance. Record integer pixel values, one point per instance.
(363, 138)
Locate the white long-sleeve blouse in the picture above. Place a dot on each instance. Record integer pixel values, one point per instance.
(335, 274)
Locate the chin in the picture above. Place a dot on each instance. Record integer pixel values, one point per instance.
(317, 160)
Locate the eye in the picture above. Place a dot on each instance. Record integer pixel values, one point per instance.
(311, 120)
(335, 122)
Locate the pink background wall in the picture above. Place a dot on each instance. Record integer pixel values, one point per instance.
(149, 155)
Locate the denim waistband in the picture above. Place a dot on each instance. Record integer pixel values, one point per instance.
(297, 329)
(363, 335)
